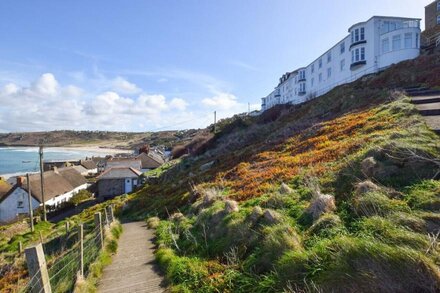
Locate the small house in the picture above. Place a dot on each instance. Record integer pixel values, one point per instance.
(59, 186)
(150, 161)
(118, 180)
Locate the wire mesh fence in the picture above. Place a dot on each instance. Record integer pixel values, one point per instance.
(68, 257)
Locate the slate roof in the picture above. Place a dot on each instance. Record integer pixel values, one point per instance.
(88, 164)
(124, 162)
(80, 169)
(151, 160)
(120, 173)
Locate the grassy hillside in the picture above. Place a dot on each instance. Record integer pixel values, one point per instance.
(123, 140)
(338, 194)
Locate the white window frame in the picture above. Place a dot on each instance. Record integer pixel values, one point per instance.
(397, 42)
(407, 40)
(385, 49)
(342, 65)
(320, 63)
(342, 48)
(329, 57)
(313, 68)
(356, 35)
(329, 72)
(362, 34)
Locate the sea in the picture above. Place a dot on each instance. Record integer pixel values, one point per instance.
(19, 160)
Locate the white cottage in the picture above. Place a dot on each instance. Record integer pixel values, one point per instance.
(59, 186)
(370, 47)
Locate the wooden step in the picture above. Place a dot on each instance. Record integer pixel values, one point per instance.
(433, 122)
(426, 99)
(425, 92)
(429, 109)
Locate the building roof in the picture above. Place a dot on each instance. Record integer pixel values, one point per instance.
(379, 16)
(72, 176)
(80, 169)
(56, 182)
(124, 162)
(88, 164)
(151, 160)
(4, 188)
(120, 173)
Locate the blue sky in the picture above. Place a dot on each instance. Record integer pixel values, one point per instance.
(163, 64)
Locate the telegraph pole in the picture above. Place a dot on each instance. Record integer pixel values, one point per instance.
(42, 183)
(31, 211)
(215, 121)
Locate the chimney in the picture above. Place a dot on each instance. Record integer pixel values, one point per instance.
(20, 181)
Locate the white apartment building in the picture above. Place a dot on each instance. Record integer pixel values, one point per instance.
(370, 47)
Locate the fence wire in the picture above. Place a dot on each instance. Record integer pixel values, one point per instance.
(64, 270)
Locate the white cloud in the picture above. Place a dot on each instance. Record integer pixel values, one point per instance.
(46, 104)
(222, 101)
(46, 85)
(179, 104)
(123, 86)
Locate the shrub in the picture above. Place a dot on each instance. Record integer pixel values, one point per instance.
(80, 196)
(376, 203)
(153, 222)
(424, 195)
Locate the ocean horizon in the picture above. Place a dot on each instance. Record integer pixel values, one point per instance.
(19, 160)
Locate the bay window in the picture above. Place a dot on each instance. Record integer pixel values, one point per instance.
(408, 40)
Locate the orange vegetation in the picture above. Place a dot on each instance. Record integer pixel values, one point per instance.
(314, 148)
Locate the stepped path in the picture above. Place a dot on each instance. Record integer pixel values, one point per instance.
(133, 268)
(427, 101)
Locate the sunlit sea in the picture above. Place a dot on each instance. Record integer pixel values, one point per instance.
(19, 160)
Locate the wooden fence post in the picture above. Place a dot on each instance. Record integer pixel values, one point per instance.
(81, 249)
(110, 212)
(98, 224)
(20, 247)
(37, 268)
(106, 218)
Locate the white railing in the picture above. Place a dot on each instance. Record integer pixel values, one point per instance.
(345, 81)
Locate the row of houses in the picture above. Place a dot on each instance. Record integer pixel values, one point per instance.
(59, 186)
(370, 47)
(113, 175)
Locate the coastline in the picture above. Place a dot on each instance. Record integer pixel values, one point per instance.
(83, 152)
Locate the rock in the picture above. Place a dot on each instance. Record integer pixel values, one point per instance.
(321, 204)
(285, 189)
(369, 166)
(231, 206)
(257, 212)
(365, 187)
(272, 217)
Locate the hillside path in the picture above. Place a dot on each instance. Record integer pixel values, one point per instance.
(133, 268)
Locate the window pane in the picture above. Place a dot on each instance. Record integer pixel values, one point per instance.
(342, 64)
(362, 33)
(385, 45)
(396, 42)
(362, 53)
(408, 40)
(329, 57)
(356, 35)
(342, 48)
(357, 55)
